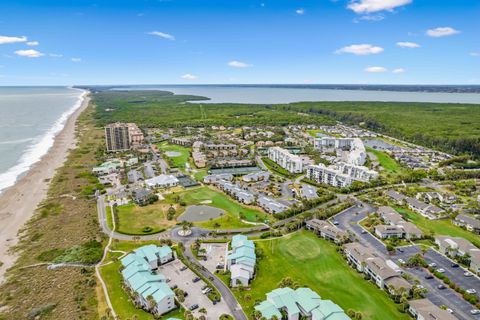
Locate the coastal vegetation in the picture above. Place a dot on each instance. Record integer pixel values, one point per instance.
(64, 229)
(315, 263)
(447, 127)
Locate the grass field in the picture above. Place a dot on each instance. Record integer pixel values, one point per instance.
(233, 209)
(439, 227)
(133, 218)
(178, 161)
(275, 168)
(315, 263)
(391, 166)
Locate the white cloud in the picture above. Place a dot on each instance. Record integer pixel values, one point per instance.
(239, 64)
(475, 54)
(369, 6)
(442, 32)
(55, 55)
(162, 35)
(300, 11)
(398, 70)
(33, 43)
(372, 18)
(360, 49)
(6, 39)
(189, 76)
(30, 53)
(376, 69)
(76, 59)
(408, 44)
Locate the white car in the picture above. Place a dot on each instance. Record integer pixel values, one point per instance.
(401, 261)
(441, 270)
(433, 265)
(467, 274)
(449, 310)
(471, 291)
(475, 311)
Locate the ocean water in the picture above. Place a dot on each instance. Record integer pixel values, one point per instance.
(269, 95)
(30, 118)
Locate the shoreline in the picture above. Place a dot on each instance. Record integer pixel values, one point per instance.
(19, 202)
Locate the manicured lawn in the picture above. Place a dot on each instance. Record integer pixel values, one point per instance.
(389, 164)
(233, 209)
(315, 263)
(180, 160)
(439, 227)
(200, 174)
(133, 218)
(275, 168)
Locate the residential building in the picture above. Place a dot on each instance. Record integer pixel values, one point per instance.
(340, 175)
(241, 260)
(429, 211)
(256, 176)
(236, 192)
(327, 230)
(396, 196)
(357, 154)
(410, 230)
(469, 222)
(290, 162)
(162, 181)
(424, 309)
(389, 215)
(141, 196)
(388, 231)
(122, 136)
(300, 303)
(357, 254)
(116, 137)
(185, 142)
(455, 246)
(216, 178)
(220, 146)
(270, 205)
(138, 274)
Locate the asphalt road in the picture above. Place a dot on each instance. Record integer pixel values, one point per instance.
(348, 220)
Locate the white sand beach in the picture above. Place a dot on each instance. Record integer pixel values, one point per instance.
(18, 203)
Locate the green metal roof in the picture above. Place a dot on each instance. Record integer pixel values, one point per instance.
(284, 298)
(268, 310)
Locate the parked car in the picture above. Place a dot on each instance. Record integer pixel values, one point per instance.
(174, 287)
(335, 222)
(183, 268)
(196, 279)
(428, 277)
(467, 274)
(449, 310)
(193, 307)
(207, 290)
(401, 261)
(471, 291)
(220, 266)
(441, 287)
(441, 270)
(475, 311)
(433, 265)
(454, 265)
(364, 231)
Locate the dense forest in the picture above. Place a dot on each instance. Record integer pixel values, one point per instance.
(451, 128)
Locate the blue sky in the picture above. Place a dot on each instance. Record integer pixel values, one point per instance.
(263, 41)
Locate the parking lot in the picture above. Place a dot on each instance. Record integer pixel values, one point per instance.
(184, 280)
(348, 220)
(215, 254)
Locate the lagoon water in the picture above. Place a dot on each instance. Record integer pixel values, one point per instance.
(30, 117)
(269, 95)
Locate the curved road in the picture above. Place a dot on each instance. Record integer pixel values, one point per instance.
(197, 233)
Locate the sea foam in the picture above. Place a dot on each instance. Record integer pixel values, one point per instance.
(40, 146)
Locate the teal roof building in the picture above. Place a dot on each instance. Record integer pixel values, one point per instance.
(241, 260)
(138, 274)
(303, 302)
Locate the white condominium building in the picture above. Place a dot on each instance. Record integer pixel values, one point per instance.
(357, 154)
(340, 175)
(292, 163)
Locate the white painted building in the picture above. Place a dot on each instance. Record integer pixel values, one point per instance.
(340, 174)
(292, 163)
